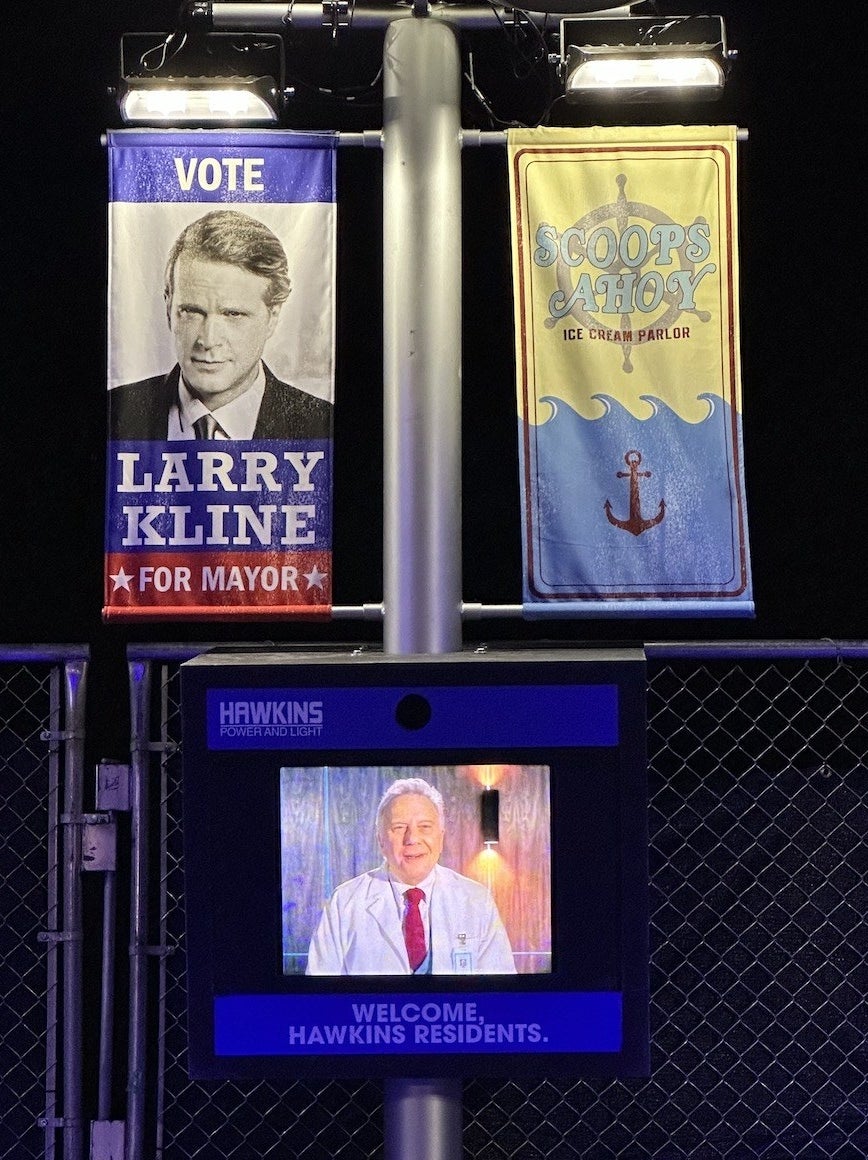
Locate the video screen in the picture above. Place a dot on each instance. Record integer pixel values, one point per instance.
(474, 840)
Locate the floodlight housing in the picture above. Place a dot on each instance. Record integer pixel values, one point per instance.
(212, 79)
(643, 59)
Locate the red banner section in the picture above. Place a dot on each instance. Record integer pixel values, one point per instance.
(285, 581)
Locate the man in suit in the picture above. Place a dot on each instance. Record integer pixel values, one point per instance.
(410, 915)
(226, 281)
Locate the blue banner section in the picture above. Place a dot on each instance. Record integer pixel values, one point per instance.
(578, 1021)
(249, 495)
(218, 166)
(700, 555)
(435, 717)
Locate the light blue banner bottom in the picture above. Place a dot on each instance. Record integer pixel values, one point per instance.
(682, 608)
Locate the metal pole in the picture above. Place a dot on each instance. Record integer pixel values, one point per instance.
(52, 915)
(107, 993)
(75, 674)
(140, 686)
(164, 913)
(423, 1119)
(422, 337)
(422, 425)
(296, 15)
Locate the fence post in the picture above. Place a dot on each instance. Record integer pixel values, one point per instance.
(75, 673)
(140, 700)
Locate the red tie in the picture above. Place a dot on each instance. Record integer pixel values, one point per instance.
(414, 933)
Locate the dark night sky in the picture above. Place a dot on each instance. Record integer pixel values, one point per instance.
(805, 406)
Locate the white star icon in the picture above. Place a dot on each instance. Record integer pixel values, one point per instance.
(121, 580)
(314, 578)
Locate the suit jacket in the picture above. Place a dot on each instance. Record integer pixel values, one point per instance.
(360, 933)
(141, 410)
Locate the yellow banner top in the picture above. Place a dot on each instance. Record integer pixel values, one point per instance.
(626, 268)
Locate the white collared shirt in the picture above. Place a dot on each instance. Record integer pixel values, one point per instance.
(236, 420)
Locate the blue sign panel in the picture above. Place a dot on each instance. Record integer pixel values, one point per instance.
(371, 718)
(397, 1024)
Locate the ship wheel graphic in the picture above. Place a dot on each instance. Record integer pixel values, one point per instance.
(621, 212)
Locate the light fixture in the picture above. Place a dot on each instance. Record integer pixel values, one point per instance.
(640, 58)
(489, 816)
(195, 78)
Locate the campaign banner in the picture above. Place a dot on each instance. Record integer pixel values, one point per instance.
(221, 350)
(625, 267)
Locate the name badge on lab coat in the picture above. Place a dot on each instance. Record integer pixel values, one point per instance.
(462, 958)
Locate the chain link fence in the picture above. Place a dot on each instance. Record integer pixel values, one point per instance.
(758, 779)
(26, 708)
(758, 772)
(41, 930)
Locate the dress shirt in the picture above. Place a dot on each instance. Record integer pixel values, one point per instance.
(236, 420)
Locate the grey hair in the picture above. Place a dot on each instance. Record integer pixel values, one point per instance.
(410, 785)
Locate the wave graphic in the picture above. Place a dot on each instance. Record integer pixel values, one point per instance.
(575, 465)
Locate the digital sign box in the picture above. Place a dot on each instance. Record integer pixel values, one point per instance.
(416, 866)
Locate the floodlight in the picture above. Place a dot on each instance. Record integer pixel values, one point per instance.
(636, 58)
(207, 79)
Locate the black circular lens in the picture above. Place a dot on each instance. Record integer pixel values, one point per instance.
(413, 711)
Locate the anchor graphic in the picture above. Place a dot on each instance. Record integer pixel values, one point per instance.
(635, 524)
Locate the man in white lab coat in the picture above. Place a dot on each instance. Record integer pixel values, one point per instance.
(410, 915)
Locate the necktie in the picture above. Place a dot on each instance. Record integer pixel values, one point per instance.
(414, 933)
(205, 426)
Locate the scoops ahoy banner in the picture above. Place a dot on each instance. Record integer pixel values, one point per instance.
(629, 394)
(221, 295)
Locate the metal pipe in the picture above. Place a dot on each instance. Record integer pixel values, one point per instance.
(240, 17)
(422, 337)
(423, 1119)
(75, 673)
(36, 653)
(140, 687)
(422, 425)
(107, 994)
(165, 901)
(669, 650)
(758, 650)
(52, 915)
